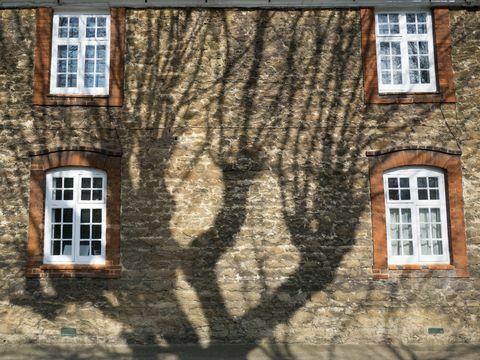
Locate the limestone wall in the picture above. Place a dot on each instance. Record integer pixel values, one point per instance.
(245, 196)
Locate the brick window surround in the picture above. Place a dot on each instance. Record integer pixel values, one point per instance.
(449, 162)
(41, 162)
(41, 82)
(443, 62)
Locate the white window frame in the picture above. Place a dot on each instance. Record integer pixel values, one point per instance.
(414, 204)
(404, 38)
(82, 41)
(76, 204)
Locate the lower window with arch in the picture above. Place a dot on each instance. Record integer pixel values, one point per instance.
(74, 214)
(418, 227)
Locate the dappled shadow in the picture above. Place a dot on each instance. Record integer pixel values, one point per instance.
(244, 183)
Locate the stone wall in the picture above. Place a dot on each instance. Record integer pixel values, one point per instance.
(245, 197)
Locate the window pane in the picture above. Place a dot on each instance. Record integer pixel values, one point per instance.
(86, 183)
(97, 215)
(423, 215)
(386, 78)
(101, 52)
(394, 29)
(63, 21)
(84, 231)
(90, 22)
(437, 248)
(90, 51)
(395, 231)
(393, 194)
(84, 248)
(434, 195)
(407, 232)
(426, 248)
(397, 62)
(57, 231)
(96, 231)
(100, 81)
(68, 182)
(97, 182)
(412, 47)
(422, 28)
(57, 215)
(435, 215)
(406, 216)
(68, 195)
(85, 216)
(394, 215)
(86, 195)
(57, 195)
(384, 48)
(89, 66)
(425, 77)
(414, 77)
(56, 247)
(395, 48)
(66, 248)
(89, 80)
(101, 32)
(422, 195)
(396, 248)
(67, 215)
(397, 78)
(90, 32)
(96, 248)
(101, 66)
(407, 248)
(411, 29)
(433, 181)
(72, 81)
(423, 47)
(67, 231)
(97, 195)
(61, 80)
(422, 182)
(392, 182)
(101, 21)
(436, 231)
(405, 194)
(404, 182)
(424, 231)
(382, 18)
(62, 66)
(413, 62)
(424, 62)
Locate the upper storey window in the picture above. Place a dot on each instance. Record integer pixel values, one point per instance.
(80, 54)
(405, 48)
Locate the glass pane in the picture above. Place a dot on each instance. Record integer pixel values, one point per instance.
(61, 81)
(434, 195)
(393, 194)
(74, 21)
(397, 77)
(85, 194)
(423, 215)
(413, 62)
(394, 215)
(435, 215)
(91, 22)
(422, 28)
(394, 29)
(404, 182)
(84, 248)
(437, 248)
(72, 81)
(102, 32)
(57, 231)
(408, 248)
(56, 247)
(425, 77)
(101, 66)
(100, 81)
(84, 231)
(85, 216)
(58, 195)
(414, 77)
(62, 66)
(73, 51)
(412, 47)
(396, 249)
(67, 215)
(63, 21)
(90, 32)
(395, 231)
(383, 29)
(73, 32)
(426, 248)
(57, 215)
(67, 248)
(86, 183)
(386, 78)
(67, 231)
(407, 232)
(96, 231)
(411, 29)
(97, 182)
(57, 182)
(68, 182)
(397, 62)
(72, 66)
(89, 66)
(101, 21)
(62, 51)
(97, 195)
(423, 47)
(433, 181)
(424, 62)
(411, 18)
(90, 51)
(405, 194)
(89, 80)
(68, 195)
(382, 18)
(384, 48)
(437, 231)
(424, 231)
(395, 48)
(97, 215)
(392, 182)
(422, 17)
(101, 51)
(63, 32)
(393, 18)
(422, 182)
(422, 195)
(96, 248)
(406, 216)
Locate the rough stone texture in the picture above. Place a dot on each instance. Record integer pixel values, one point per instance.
(245, 198)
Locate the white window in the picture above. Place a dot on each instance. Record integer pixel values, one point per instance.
(80, 54)
(405, 52)
(416, 214)
(75, 216)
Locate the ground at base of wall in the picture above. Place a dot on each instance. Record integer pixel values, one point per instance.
(250, 352)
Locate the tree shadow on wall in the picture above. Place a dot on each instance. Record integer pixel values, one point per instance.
(270, 101)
